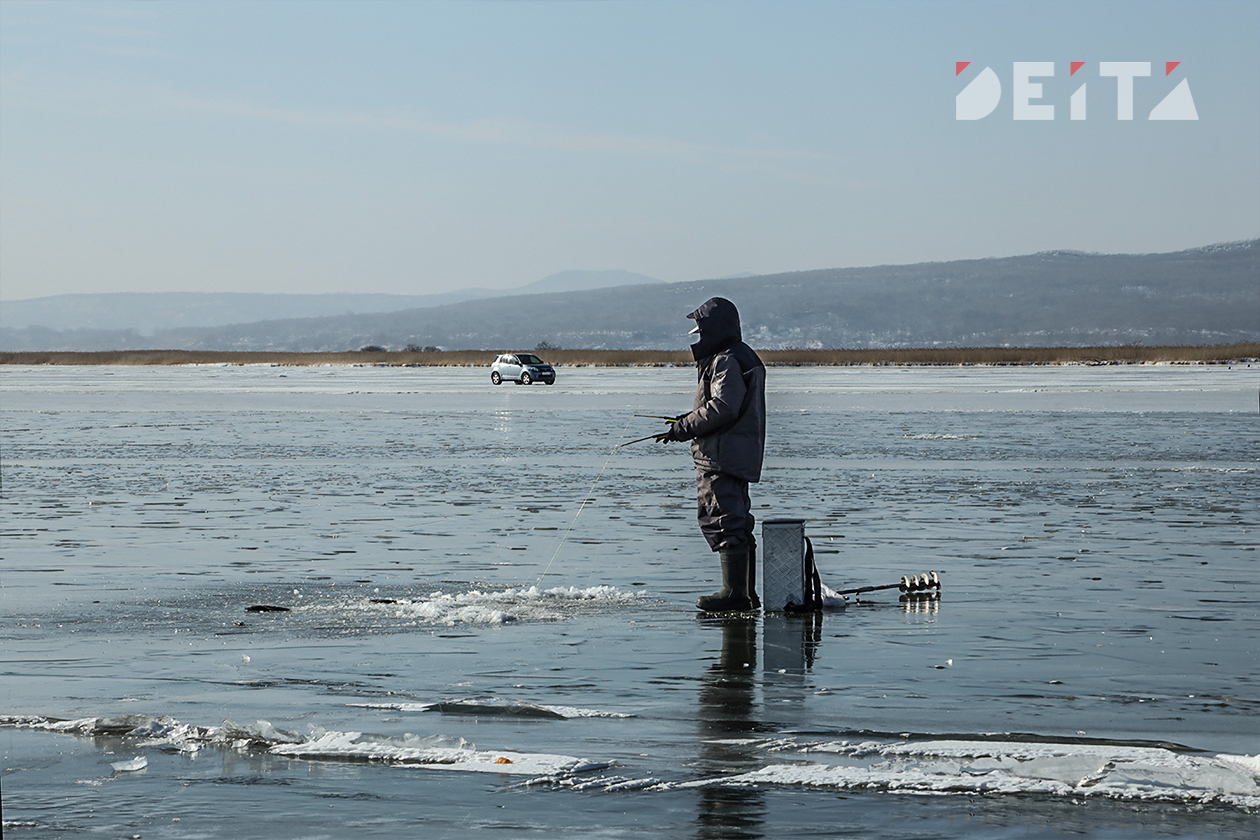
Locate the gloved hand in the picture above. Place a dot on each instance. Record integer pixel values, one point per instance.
(664, 437)
(671, 434)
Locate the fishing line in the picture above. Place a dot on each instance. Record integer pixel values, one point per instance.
(589, 492)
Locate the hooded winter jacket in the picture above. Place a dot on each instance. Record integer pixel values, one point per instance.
(727, 425)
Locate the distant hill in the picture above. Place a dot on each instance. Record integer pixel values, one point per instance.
(149, 312)
(1207, 295)
(580, 281)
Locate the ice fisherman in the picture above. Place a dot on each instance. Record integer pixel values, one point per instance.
(727, 430)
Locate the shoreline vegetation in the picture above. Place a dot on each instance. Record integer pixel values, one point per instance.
(1119, 355)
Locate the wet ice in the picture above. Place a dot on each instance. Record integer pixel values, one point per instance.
(439, 541)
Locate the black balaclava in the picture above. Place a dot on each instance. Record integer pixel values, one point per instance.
(717, 319)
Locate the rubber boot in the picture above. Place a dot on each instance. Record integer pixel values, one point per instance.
(752, 573)
(733, 596)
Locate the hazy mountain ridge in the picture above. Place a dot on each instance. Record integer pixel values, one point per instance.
(1208, 295)
(147, 313)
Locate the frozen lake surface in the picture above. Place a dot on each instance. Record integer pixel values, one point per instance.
(490, 626)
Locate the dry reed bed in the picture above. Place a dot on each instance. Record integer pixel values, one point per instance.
(622, 358)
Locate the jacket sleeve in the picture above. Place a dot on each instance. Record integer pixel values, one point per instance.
(721, 408)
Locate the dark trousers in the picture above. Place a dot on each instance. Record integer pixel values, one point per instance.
(724, 510)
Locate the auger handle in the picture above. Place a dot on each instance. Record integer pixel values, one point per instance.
(862, 589)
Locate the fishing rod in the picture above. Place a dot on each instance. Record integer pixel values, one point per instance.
(639, 440)
(649, 437)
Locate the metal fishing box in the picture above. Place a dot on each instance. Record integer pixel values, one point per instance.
(789, 580)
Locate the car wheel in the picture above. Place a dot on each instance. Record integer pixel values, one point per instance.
(551, 382)
(525, 380)
(495, 378)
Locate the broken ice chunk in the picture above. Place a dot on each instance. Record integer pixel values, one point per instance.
(137, 763)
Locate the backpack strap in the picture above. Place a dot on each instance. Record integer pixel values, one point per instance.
(811, 584)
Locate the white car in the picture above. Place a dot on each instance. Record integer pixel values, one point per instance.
(525, 368)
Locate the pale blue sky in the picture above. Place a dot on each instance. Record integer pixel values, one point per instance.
(423, 147)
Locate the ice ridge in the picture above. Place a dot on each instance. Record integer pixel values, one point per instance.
(928, 766)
